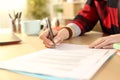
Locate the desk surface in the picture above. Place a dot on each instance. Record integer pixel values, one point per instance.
(109, 71)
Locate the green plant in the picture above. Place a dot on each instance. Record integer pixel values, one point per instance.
(36, 9)
(59, 10)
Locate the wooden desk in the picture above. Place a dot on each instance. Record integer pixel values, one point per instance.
(109, 71)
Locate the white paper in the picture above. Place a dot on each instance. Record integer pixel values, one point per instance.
(66, 61)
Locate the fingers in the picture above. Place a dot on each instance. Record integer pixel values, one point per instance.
(47, 42)
(103, 43)
(44, 37)
(98, 43)
(108, 46)
(58, 40)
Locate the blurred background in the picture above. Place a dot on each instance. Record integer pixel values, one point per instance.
(64, 10)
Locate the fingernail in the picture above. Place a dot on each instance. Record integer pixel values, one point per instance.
(96, 47)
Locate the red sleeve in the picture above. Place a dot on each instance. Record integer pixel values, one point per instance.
(86, 18)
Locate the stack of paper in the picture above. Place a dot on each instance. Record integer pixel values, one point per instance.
(66, 61)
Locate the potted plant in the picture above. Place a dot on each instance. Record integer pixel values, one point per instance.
(59, 12)
(37, 9)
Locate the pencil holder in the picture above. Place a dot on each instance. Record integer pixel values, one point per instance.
(14, 17)
(13, 25)
(19, 26)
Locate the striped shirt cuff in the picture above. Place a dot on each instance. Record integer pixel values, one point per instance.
(75, 28)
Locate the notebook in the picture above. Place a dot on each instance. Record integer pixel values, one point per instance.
(9, 38)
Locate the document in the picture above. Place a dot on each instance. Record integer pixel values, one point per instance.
(72, 61)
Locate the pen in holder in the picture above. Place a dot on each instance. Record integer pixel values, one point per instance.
(16, 16)
(13, 20)
(19, 22)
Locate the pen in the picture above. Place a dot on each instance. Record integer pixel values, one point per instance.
(51, 36)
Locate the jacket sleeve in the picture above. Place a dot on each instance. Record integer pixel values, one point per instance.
(87, 17)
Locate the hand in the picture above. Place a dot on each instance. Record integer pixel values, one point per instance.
(105, 42)
(59, 37)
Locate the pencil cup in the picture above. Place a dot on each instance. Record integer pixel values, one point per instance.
(13, 25)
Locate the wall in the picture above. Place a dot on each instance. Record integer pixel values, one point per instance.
(7, 6)
(64, 17)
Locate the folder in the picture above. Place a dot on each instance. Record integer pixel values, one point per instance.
(116, 46)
